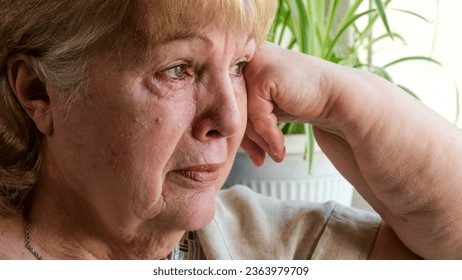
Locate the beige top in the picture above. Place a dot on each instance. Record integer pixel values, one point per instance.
(252, 226)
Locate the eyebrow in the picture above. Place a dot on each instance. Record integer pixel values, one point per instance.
(181, 36)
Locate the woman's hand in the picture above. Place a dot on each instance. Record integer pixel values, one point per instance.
(283, 86)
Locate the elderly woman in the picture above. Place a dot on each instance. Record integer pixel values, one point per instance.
(119, 122)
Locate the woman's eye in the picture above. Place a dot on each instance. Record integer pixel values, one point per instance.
(237, 68)
(177, 72)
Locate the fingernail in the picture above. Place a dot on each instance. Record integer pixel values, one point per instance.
(257, 162)
(280, 156)
(279, 152)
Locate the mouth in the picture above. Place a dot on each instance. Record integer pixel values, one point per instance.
(205, 173)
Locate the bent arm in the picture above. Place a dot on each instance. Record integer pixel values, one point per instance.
(408, 162)
(401, 156)
(388, 246)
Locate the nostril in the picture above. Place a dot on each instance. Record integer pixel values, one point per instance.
(213, 133)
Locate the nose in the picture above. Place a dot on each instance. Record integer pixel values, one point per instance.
(221, 105)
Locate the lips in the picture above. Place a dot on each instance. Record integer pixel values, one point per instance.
(205, 173)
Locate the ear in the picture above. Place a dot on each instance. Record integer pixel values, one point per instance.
(31, 92)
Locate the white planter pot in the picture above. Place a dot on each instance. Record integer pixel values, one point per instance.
(289, 180)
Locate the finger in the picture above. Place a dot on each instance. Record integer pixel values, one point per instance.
(262, 126)
(256, 138)
(255, 152)
(253, 135)
(265, 132)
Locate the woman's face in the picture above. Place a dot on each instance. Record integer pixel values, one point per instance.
(155, 144)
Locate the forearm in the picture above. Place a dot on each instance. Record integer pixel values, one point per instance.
(409, 159)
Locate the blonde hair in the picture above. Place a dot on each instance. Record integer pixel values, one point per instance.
(60, 36)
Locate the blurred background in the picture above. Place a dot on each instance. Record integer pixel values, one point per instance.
(439, 36)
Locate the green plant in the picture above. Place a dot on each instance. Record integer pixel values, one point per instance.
(318, 28)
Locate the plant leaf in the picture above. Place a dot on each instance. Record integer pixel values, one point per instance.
(309, 147)
(384, 36)
(341, 30)
(383, 16)
(409, 91)
(410, 58)
(413, 14)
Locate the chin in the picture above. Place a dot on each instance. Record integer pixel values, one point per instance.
(195, 212)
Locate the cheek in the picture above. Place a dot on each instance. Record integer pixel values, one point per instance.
(124, 144)
(148, 139)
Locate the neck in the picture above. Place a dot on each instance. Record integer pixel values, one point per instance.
(62, 226)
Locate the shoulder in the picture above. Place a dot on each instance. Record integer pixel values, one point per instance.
(12, 237)
(290, 230)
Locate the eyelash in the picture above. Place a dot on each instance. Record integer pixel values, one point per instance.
(185, 70)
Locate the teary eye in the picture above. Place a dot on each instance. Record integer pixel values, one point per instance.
(177, 72)
(237, 68)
